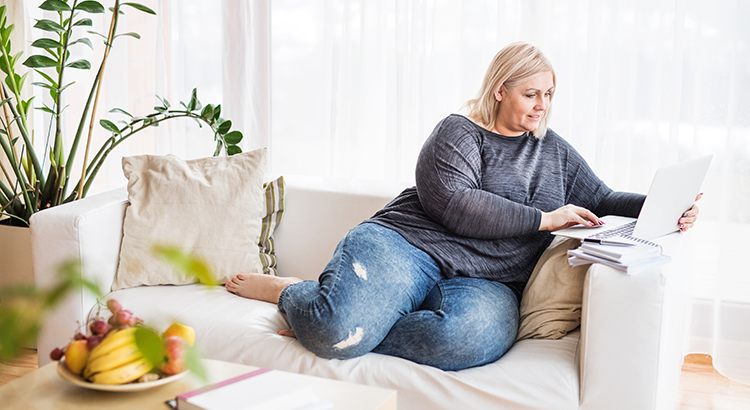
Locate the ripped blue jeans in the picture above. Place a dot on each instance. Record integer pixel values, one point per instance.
(381, 294)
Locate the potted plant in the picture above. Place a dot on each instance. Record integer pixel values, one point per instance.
(38, 176)
(43, 179)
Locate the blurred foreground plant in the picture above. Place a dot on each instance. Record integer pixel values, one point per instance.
(22, 308)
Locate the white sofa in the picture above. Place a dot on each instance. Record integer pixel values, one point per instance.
(626, 355)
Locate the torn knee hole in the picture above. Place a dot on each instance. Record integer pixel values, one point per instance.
(352, 340)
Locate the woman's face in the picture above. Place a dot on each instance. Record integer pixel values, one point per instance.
(523, 106)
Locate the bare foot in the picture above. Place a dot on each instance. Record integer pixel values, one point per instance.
(260, 287)
(287, 333)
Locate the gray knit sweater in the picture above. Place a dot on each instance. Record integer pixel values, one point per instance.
(479, 197)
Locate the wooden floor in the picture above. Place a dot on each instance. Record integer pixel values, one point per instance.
(701, 386)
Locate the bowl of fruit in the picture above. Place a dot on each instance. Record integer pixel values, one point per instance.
(108, 357)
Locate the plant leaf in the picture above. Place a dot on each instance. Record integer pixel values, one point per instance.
(233, 149)
(54, 5)
(224, 127)
(98, 34)
(43, 85)
(150, 344)
(83, 40)
(49, 25)
(109, 126)
(80, 64)
(233, 138)
(217, 112)
(47, 110)
(193, 361)
(83, 22)
(121, 111)
(90, 6)
(46, 43)
(189, 265)
(164, 102)
(48, 78)
(21, 79)
(192, 105)
(38, 61)
(208, 113)
(140, 7)
(66, 86)
(131, 34)
(15, 58)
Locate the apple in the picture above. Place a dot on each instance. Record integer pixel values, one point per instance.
(178, 329)
(76, 355)
(175, 354)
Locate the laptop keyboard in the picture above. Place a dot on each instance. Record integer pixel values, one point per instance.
(622, 230)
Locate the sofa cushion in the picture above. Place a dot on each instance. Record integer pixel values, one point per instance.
(211, 207)
(551, 302)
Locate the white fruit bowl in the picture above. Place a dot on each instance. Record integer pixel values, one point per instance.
(67, 375)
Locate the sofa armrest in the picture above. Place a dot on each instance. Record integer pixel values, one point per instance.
(88, 231)
(632, 330)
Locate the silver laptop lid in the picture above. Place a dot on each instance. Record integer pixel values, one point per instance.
(672, 192)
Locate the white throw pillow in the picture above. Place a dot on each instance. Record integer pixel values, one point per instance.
(210, 207)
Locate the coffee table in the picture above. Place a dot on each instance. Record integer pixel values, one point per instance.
(45, 389)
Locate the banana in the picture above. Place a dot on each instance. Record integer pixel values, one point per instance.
(116, 358)
(123, 374)
(113, 341)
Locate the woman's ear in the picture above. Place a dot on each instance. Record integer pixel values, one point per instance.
(499, 92)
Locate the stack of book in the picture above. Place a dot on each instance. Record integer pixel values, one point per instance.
(623, 255)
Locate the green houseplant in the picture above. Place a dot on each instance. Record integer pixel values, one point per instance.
(39, 179)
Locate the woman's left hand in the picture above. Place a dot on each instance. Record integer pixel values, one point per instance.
(688, 218)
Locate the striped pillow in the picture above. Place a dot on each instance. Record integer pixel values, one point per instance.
(274, 211)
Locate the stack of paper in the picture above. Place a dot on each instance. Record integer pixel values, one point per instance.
(626, 257)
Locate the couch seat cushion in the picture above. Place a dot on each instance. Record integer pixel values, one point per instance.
(534, 374)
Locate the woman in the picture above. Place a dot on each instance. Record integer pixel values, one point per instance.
(437, 275)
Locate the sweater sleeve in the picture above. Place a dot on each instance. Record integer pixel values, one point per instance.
(587, 190)
(448, 176)
(621, 204)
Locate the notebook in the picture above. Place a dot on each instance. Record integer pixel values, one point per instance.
(672, 192)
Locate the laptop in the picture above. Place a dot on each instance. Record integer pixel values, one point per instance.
(672, 192)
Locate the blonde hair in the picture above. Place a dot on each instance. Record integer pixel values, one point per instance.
(511, 65)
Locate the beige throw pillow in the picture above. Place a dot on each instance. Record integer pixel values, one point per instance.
(551, 302)
(210, 207)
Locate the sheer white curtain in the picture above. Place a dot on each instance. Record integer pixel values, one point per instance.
(352, 88)
(357, 86)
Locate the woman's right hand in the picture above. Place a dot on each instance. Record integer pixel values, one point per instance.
(567, 216)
